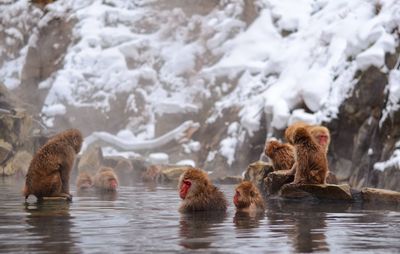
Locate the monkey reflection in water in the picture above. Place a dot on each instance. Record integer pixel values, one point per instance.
(51, 222)
(196, 229)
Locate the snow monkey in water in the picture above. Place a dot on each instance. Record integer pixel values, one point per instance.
(49, 171)
(106, 179)
(198, 193)
(247, 197)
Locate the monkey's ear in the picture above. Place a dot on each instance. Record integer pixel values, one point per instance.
(252, 193)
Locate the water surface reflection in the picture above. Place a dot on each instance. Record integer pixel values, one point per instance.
(142, 218)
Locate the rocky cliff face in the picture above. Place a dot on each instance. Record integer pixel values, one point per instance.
(243, 70)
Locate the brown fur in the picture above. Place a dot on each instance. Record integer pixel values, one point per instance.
(84, 181)
(103, 177)
(312, 165)
(282, 155)
(49, 171)
(291, 129)
(318, 131)
(248, 197)
(202, 195)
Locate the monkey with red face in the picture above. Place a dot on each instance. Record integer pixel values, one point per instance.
(198, 193)
(106, 179)
(247, 197)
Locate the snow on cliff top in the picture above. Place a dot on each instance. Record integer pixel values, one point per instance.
(294, 53)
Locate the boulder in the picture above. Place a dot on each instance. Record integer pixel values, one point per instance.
(275, 180)
(331, 178)
(319, 191)
(163, 173)
(91, 160)
(256, 172)
(228, 180)
(5, 150)
(19, 164)
(380, 196)
(172, 174)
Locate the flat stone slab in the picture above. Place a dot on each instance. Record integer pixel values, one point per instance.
(320, 191)
(380, 196)
(54, 199)
(228, 180)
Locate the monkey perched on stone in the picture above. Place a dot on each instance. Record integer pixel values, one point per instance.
(49, 171)
(291, 128)
(321, 136)
(247, 197)
(311, 161)
(106, 179)
(282, 155)
(198, 193)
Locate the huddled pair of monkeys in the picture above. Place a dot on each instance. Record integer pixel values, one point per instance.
(305, 154)
(199, 194)
(104, 179)
(49, 171)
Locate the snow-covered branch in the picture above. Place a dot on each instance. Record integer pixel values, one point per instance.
(181, 133)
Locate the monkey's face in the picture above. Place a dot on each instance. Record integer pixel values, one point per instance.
(242, 198)
(322, 139)
(191, 183)
(109, 182)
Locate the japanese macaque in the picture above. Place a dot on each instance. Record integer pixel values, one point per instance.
(291, 128)
(84, 181)
(311, 161)
(282, 155)
(322, 135)
(247, 197)
(198, 193)
(106, 179)
(49, 171)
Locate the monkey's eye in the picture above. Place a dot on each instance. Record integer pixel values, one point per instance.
(237, 193)
(187, 182)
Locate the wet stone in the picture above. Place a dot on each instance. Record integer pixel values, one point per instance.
(374, 195)
(275, 180)
(319, 191)
(228, 180)
(256, 173)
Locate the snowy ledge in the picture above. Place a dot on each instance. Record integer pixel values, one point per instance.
(180, 134)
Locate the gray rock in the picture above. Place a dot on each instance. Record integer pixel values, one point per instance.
(319, 191)
(380, 196)
(91, 160)
(19, 164)
(256, 172)
(228, 180)
(275, 180)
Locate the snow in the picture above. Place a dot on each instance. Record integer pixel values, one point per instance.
(186, 163)
(296, 61)
(393, 161)
(158, 158)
